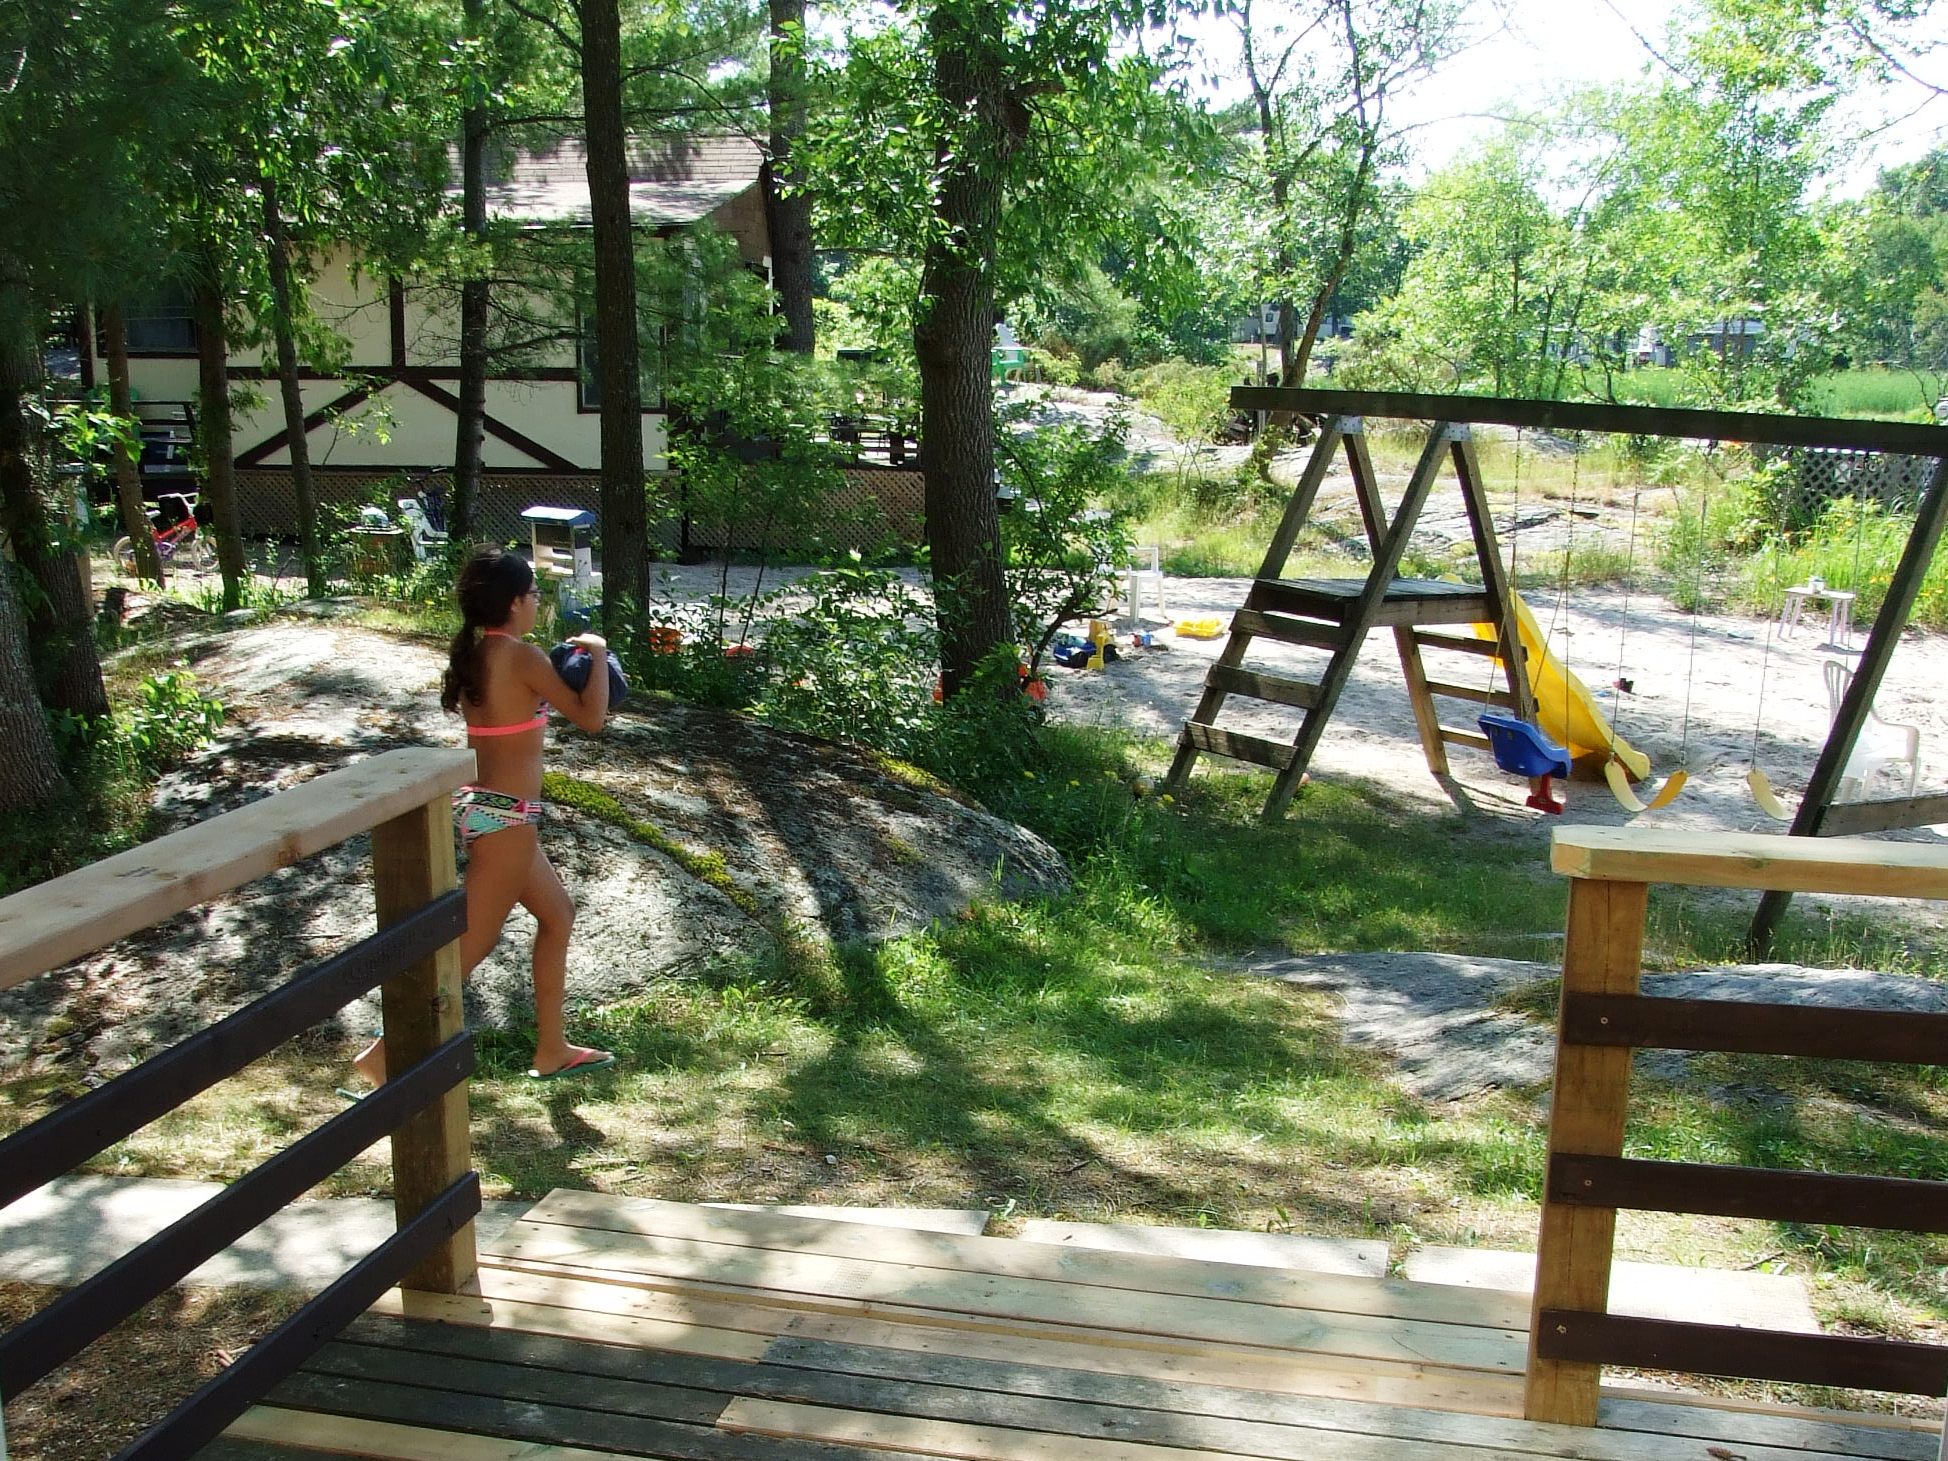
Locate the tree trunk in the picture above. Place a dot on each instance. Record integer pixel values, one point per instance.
(219, 464)
(625, 546)
(787, 207)
(30, 776)
(128, 475)
(470, 428)
(1349, 242)
(284, 328)
(60, 619)
(954, 339)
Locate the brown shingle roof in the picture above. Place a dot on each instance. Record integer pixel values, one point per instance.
(672, 181)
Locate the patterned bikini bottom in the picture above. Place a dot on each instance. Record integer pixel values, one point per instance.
(478, 811)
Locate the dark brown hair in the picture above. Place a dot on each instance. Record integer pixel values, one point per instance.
(487, 587)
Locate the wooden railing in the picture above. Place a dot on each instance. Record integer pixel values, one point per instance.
(1604, 1018)
(402, 798)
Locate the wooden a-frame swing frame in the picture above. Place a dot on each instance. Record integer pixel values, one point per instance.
(1406, 604)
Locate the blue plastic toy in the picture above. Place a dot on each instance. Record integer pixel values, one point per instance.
(1525, 751)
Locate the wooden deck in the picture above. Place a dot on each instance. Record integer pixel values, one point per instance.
(640, 1328)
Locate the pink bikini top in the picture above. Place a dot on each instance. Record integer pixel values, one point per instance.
(541, 715)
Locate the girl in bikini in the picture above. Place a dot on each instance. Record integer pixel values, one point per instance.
(504, 686)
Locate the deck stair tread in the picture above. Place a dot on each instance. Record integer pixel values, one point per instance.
(1354, 1257)
(679, 1334)
(1647, 1290)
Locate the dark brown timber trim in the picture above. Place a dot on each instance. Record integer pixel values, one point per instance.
(1902, 1203)
(1646, 1023)
(65, 1327)
(1754, 1354)
(204, 1416)
(256, 455)
(1739, 426)
(499, 430)
(65, 1138)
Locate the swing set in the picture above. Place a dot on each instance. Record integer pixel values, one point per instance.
(1540, 718)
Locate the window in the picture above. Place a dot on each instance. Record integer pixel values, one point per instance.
(588, 365)
(164, 325)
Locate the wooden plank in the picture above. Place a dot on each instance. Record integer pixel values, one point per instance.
(1287, 630)
(62, 1329)
(1755, 1354)
(1414, 612)
(412, 864)
(1883, 814)
(1159, 1408)
(62, 919)
(1167, 1361)
(1455, 736)
(1603, 954)
(822, 1278)
(606, 1313)
(1902, 1203)
(345, 1435)
(530, 1423)
(1735, 1420)
(88, 1125)
(220, 1400)
(1480, 648)
(1481, 695)
(1279, 689)
(1427, 716)
(1238, 746)
(679, 1318)
(1151, 1273)
(577, 1385)
(1900, 1037)
(406, 1341)
(1751, 860)
(1856, 705)
(1745, 426)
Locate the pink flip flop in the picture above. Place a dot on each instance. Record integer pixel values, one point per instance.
(584, 1061)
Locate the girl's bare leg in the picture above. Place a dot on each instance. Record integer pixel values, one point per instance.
(554, 919)
(499, 866)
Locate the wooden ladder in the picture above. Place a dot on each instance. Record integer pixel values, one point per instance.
(1337, 615)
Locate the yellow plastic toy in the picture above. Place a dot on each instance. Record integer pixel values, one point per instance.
(1198, 628)
(1098, 636)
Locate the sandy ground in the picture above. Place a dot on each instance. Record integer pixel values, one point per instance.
(1705, 689)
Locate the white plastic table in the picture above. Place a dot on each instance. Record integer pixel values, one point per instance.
(1839, 601)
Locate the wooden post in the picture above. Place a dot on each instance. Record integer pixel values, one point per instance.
(412, 862)
(1603, 955)
(1857, 704)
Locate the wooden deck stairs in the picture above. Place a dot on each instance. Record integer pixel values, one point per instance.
(630, 1327)
(1336, 615)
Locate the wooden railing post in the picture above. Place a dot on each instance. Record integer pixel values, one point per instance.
(412, 862)
(1603, 955)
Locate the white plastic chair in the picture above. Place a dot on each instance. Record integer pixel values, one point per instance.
(1882, 746)
(1145, 571)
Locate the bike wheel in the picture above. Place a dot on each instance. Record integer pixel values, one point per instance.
(124, 552)
(197, 553)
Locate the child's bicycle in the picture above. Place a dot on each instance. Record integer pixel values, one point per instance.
(179, 540)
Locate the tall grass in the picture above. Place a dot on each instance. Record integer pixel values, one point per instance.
(1894, 395)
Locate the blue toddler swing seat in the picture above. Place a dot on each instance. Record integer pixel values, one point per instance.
(1522, 750)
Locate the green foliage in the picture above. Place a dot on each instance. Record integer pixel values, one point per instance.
(169, 719)
(1060, 547)
(857, 662)
(1194, 401)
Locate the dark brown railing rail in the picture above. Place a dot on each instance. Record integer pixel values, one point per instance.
(402, 799)
(1604, 1018)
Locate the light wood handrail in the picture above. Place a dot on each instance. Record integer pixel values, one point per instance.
(51, 923)
(1751, 860)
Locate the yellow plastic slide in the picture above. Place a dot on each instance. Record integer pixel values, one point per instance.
(1565, 711)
